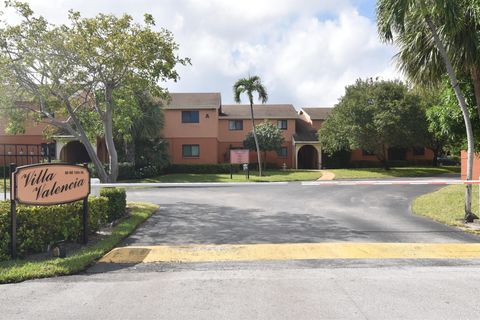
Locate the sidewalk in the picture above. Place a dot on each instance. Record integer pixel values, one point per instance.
(326, 175)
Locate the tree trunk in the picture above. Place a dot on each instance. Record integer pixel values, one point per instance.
(385, 158)
(256, 140)
(265, 160)
(436, 151)
(108, 131)
(382, 157)
(469, 216)
(475, 75)
(102, 174)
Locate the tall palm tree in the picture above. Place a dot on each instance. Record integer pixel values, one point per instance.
(419, 57)
(249, 86)
(423, 30)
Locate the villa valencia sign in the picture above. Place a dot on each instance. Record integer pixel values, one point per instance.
(49, 184)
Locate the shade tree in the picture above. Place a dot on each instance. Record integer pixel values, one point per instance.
(73, 74)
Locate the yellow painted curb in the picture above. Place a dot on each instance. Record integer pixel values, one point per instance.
(292, 251)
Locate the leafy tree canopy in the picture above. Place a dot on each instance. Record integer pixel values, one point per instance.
(445, 119)
(82, 77)
(374, 115)
(437, 37)
(403, 22)
(270, 137)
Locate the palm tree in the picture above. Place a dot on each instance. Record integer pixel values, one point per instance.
(423, 30)
(148, 124)
(249, 86)
(426, 65)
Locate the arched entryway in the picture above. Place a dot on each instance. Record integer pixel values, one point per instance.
(307, 157)
(74, 152)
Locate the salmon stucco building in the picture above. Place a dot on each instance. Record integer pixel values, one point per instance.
(32, 146)
(200, 129)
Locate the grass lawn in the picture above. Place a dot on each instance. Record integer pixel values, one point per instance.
(20, 270)
(367, 173)
(446, 205)
(269, 176)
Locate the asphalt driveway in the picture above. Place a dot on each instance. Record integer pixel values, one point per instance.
(289, 213)
(287, 289)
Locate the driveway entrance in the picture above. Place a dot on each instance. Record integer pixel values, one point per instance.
(290, 213)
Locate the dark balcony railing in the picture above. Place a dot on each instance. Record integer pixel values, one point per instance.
(23, 154)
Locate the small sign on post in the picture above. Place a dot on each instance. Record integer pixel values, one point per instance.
(49, 184)
(239, 156)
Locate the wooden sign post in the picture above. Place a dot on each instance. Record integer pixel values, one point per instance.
(48, 184)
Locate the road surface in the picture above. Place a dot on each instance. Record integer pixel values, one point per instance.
(373, 288)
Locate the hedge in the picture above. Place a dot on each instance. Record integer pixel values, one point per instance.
(201, 168)
(117, 202)
(128, 171)
(40, 226)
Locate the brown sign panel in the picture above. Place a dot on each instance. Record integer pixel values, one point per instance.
(48, 184)
(239, 156)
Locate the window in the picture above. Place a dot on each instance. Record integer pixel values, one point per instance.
(283, 152)
(190, 117)
(235, 125)
(367, 153)
(191, 150)
(282, 124)
(418, 151)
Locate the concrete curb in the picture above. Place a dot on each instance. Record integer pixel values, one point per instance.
(389, 182)
(187, 184)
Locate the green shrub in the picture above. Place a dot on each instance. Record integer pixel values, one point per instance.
(117, 202)
(40, 226)
(4, 229)
(93, 171)
(126, 171)
(336, 160)
(4, 169)
(201, 168)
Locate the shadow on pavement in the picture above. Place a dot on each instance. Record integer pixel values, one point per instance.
(189, 223)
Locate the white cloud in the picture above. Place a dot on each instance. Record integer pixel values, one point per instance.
(305, 51)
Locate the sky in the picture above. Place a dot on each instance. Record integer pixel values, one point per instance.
(305, 51)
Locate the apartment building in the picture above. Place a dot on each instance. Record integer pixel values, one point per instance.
(23, 148)
(200, 129)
